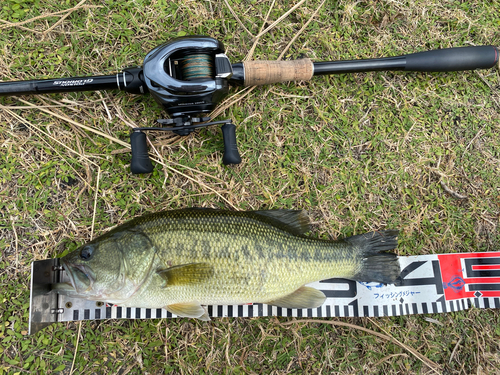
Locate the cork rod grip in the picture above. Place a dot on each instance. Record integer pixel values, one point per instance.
(258, 73)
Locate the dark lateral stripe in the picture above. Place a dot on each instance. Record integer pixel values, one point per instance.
(386, 310)
(98, 313)
(75, 314)
(86, 314)
(108, 312)
(424, 308)
(375, 311)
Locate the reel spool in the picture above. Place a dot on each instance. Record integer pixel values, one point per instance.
(188, 76)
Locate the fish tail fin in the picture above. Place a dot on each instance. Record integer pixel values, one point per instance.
(377, 265)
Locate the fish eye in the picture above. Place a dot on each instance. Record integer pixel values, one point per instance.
(86, 252)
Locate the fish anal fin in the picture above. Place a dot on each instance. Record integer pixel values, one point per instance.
(303, 298)
(188, 310)
(185, 274)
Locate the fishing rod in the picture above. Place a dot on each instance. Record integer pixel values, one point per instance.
(189, 76)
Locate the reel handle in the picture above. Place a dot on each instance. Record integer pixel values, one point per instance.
(140, 159)
(231, 154)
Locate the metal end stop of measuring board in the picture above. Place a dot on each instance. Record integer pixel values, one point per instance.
(43, 303)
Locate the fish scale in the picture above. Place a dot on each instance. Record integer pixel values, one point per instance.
(186, 258)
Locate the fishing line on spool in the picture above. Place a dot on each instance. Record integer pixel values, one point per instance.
(197, 66)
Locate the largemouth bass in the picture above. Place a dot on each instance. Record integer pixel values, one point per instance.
(184, 259)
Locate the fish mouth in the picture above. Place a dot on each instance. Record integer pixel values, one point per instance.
(80, 277)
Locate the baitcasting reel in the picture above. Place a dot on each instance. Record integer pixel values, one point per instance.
(189, 76)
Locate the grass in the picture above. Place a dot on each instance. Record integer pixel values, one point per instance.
(360, 152)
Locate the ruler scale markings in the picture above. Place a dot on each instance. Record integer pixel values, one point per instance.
(414, 308)
(434, 307)
(486, 302)
(424, 308)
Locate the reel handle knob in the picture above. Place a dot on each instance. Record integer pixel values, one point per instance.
(231, 154)
(140, 159)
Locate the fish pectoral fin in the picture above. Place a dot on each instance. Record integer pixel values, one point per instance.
(189, 310)
(303, 298)
(185, 274)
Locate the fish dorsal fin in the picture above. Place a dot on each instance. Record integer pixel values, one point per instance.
(293, 221)
(185, 274)
(303, 298)
(188, 310)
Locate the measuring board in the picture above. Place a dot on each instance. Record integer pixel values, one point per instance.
(428, 284)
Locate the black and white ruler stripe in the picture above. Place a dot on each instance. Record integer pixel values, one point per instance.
(257, 310)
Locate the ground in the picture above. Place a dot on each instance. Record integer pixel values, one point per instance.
(360, 152)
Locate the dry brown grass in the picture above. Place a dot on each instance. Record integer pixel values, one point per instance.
(359, 152)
